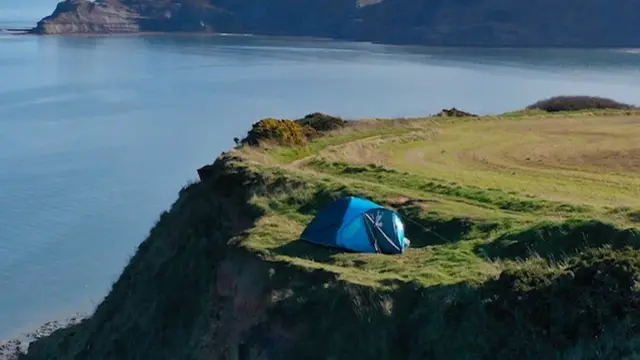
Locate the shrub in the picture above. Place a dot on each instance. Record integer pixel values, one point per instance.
(322, 122)
(280, 131)
(573, 103)
(310, 133)
(288, 132)
(453, 112)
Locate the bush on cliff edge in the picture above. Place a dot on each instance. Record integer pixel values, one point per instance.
(292, 132)
(280, 131)
(575, 103)
(322, 122)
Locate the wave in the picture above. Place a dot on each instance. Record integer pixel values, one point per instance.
(628, 51)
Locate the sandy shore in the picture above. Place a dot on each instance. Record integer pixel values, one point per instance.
(10, 349)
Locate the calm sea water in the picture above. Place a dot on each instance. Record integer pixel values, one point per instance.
(24, 13)
(97, 135)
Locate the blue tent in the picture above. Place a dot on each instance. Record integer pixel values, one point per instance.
(359, 225)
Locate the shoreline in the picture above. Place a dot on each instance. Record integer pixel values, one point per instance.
(635, 49)
(171, 33)
(19, 344)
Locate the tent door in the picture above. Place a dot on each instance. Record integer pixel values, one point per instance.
(375, 227)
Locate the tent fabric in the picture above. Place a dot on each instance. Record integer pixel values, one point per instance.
(358, 225)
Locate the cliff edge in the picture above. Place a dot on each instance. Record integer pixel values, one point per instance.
(588, 23)
(519, 249)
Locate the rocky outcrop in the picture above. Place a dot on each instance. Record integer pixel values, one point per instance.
(84, 16)
(594, 23)
(14, 348)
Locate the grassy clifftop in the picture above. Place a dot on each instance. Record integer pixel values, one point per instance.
(526, 249)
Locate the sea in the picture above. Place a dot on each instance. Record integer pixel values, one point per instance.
(98, 134)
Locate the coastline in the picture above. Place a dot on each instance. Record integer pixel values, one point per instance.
(178, 33)
(11, 348)
(625, 49)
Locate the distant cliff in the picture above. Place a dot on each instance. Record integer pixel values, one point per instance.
(567, 23)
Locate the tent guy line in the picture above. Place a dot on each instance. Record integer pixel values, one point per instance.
(424, 228)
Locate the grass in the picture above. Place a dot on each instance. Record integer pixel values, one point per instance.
(510, 202)
(584, 160)
(524, 231)
(367, 129)
(470, 182)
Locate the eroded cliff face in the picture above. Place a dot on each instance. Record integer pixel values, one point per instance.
(192, 291)
(588, 23)
(241, 326)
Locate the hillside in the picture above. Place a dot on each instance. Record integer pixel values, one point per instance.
(523, 226)
(569, 23)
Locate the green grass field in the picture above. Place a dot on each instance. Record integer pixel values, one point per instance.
(472, 182)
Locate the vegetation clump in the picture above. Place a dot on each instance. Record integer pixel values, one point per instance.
(453, 112)
(322, 122)
(287, 132)
(280, 131)
(575, 103)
